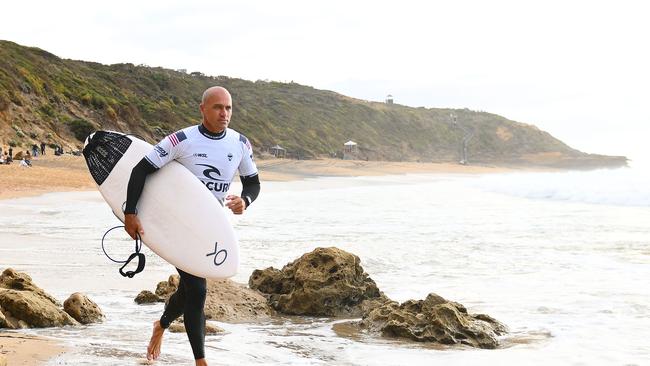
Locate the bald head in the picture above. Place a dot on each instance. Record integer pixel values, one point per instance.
(215, 90)
(216, 108)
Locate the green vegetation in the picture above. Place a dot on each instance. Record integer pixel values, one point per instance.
(68, 99)
(81, 128)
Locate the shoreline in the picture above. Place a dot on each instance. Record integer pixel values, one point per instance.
(69, 173)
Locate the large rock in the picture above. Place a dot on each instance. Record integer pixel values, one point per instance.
(226, 300)
(25, 305)
(12, 280)
(82, 309)
(433, 320)
(229, 301)
(324, 282)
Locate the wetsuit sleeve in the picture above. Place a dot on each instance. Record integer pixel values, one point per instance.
(136, 184)
(167, 150)
(247, 167)
(250, 188)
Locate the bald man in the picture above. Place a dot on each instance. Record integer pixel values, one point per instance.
(214, 153)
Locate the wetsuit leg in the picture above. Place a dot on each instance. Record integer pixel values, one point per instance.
(194, 314)
(175, 306)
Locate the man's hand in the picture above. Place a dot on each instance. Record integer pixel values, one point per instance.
(132, 225)
(235, 204)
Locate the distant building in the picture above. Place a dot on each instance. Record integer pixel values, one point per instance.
(278, 151)
(389, 99)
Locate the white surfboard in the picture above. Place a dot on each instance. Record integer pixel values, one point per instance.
(183, 222)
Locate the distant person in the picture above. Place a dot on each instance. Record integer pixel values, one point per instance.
(26, 162)
(34, 150)
(42, 148)
(197, 147)
(11, 152)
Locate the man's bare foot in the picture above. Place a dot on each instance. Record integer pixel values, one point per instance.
(201, 362)
(153, 351)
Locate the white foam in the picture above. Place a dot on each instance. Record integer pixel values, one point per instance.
(620, 187)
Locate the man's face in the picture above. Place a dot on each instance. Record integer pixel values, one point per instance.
(217, 110)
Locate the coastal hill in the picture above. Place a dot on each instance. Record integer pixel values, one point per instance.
(46, 98)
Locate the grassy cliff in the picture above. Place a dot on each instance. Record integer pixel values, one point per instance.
(45, 98)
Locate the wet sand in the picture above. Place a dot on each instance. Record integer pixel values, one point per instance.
(23, 349)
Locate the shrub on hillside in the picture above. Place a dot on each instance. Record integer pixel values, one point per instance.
(47, 110)
(110, 112)
(80, 128)
(98, 101)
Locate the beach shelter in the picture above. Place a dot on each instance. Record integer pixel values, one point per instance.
(278, 151)
(350, 146)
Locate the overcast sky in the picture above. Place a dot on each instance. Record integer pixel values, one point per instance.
(577, 69)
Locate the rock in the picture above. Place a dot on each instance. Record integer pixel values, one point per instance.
(324, 282)
(4, 323)
(12, 280)
(82, 309)
(166, 288)
(210, 329)
(33, 310)
(433, 320)
(229, 301)
(226, 300)
(25, 305)
(147, 297)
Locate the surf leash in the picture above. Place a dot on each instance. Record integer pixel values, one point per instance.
(135, 254)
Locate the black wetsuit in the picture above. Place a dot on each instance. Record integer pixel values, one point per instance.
(195, 147)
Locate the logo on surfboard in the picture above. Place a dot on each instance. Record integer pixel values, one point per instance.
(218, 253)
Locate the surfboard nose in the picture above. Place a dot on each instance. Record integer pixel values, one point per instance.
(102, 151)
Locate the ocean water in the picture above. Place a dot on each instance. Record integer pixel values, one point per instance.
(563, 259)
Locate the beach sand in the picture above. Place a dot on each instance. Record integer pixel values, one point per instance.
(69, 173)
(24, 349)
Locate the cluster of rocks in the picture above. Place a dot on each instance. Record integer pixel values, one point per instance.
(433, 319)
(25, 305)
(327, 282)
(330, 282)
